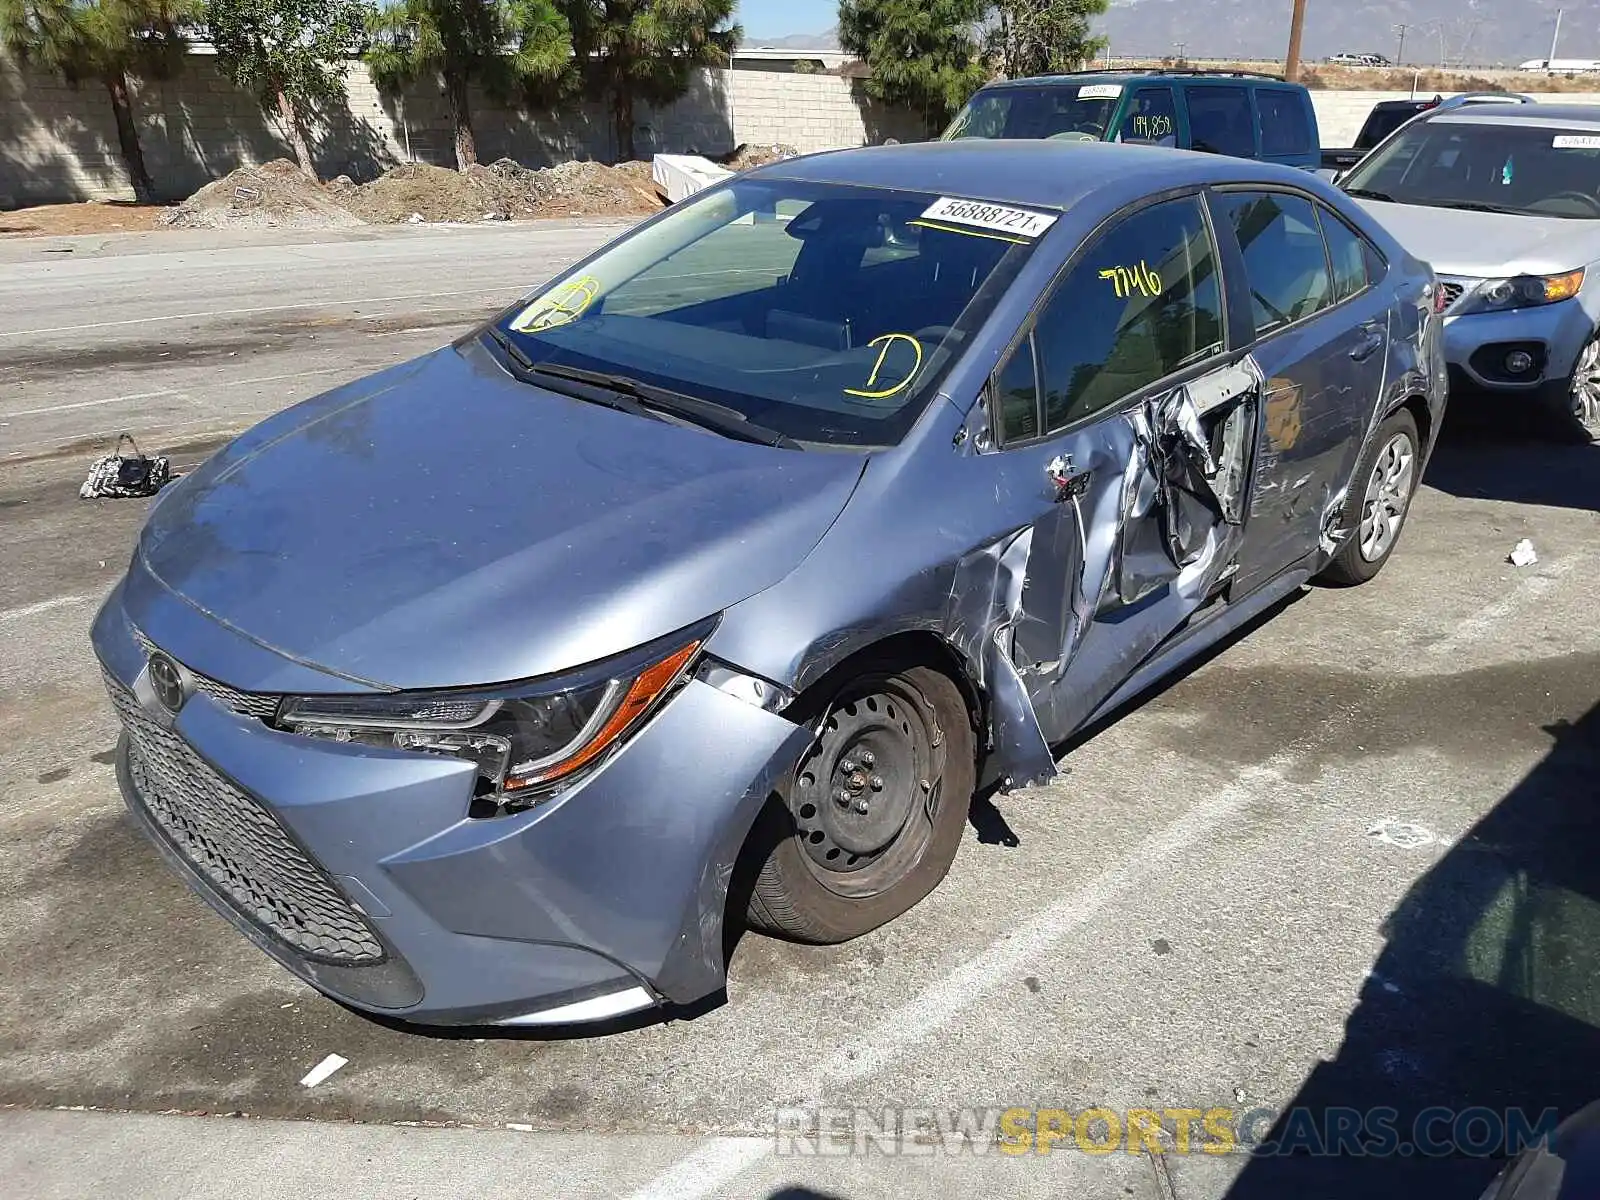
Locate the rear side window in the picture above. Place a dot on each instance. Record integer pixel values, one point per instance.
(1143, 303)
(1285, 261)
(1152, 118)
(1220, 120)
(1284, 127)
(1348, 251)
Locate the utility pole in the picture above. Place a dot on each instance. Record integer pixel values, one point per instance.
(1400, 54)
(1297, 25)
(1556, 41)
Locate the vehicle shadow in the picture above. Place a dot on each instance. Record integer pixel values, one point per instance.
(1487, 998)
(1483, 459)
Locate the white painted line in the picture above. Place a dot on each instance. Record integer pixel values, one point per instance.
(322, 1070)
(55, 408)
(1491, 616)
(719, 1160)
(44, 606)
(703, 1171)
(221, 383)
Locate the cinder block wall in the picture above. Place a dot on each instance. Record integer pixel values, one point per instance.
(60, 143)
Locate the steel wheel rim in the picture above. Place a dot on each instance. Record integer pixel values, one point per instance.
(1388, 496)
(1585, 393)
(880, 746)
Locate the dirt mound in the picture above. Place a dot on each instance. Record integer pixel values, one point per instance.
(277, 194)
(591, 189)
(503, 190)
(273, 194)
(437, 193)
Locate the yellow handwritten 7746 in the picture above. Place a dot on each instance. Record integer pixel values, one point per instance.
(1128, 280)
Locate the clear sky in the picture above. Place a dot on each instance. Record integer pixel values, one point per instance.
(774, 18)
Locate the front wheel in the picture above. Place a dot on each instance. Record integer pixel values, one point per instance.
(1380, 499)
(1578, 402)
(871, 819)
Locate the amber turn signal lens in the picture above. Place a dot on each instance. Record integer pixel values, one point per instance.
(641, 696)
(1562, 287)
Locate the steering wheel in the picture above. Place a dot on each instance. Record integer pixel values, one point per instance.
(1591, 203)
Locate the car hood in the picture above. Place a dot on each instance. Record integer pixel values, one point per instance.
(1489, 245)
(442, 524)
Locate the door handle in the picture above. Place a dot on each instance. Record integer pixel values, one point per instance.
(1066, 481)
(1374, 335)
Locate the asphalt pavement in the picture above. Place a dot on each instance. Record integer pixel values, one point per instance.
(1348, 861)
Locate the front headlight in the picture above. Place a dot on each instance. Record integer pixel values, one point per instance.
(1524, 291)
(527, 740)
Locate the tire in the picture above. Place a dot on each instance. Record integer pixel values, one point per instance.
(1574, 403)
(1381, 490)
(834, 872)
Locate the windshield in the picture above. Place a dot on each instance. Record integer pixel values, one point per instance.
(1528, 169)
(828, 314)
(1073, 112)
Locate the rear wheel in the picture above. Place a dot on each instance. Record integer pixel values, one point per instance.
(872, 817)
(1379, 501)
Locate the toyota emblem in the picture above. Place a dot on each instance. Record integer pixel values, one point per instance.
(166, 681)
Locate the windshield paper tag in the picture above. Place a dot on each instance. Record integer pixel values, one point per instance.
(1018, 222)
(1100, 91)
(1568, 141)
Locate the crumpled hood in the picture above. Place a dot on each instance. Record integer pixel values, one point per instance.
(1489, 245)
(442, 524)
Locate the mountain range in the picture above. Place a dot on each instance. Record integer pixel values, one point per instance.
(1473, 32)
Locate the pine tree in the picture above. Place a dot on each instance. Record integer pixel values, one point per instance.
(111, 42)
(510, 48)
(290, 54)
(924, 54)
(632, 50)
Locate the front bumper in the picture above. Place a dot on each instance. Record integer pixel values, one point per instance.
(360, 870)
(1553, 335)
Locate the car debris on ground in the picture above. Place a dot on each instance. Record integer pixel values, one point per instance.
(118, 475)
(1524, 555)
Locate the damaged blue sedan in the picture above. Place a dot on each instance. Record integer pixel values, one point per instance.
(762, 538)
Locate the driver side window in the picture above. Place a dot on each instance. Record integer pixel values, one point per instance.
(1142, 303)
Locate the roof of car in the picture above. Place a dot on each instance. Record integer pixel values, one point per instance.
(1583, 116)
(1161, 73)
(1036, 173)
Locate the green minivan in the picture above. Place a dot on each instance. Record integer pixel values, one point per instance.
(1237, 113)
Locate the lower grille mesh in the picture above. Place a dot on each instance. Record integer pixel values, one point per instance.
(238, 846)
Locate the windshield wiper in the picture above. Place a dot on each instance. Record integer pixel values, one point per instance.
(707, 414)
(529, 371)
(1369, 194)
(1476, 206)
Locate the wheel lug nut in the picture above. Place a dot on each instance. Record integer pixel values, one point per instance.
(848, 766)
(861, 807)
(867, 758)
(841, 798)
(877, 783)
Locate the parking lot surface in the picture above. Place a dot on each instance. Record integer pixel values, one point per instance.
(1348, 861)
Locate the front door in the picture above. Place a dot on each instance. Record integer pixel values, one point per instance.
(1127, 434)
